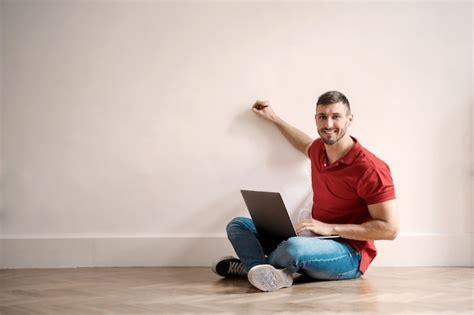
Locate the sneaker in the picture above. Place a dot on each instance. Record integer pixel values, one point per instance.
(229, 267)
(268, 278)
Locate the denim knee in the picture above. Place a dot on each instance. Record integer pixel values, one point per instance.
(237, 224)
(288, 253)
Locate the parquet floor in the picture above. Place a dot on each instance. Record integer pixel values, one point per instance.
(197, 290)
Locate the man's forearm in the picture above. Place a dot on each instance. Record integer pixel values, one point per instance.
(370, 230)
(296, 137)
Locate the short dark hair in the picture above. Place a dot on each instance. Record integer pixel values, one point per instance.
(332, 97)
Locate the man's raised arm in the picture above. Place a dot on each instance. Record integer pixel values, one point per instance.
(296, 137)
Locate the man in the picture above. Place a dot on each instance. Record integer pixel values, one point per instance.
(353, 197)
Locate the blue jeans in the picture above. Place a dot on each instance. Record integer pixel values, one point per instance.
(327, 259)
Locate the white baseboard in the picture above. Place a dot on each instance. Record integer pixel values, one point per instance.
(406, 250)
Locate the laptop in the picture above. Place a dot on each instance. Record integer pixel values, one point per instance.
(269, 214)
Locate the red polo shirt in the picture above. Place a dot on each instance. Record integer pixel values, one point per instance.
(342, 190)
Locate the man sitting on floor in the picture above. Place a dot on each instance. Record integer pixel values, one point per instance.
(353, 197)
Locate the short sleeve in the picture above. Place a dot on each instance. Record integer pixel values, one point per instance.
(312, 149)
(376, 185)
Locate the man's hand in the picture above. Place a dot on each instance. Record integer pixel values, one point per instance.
(296, 137)
(383, 225)
(264, 109)
(316, 227)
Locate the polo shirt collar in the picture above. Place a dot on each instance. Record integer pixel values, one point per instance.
(349, 158)
(352, 154)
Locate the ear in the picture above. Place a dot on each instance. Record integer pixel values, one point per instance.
(350, 118)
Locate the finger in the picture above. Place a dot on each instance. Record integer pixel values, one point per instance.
(306, 221)
(259, 106)
(261, 103)
(302, 224)
(256, 111)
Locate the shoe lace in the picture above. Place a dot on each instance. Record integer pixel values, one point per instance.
(237, 268)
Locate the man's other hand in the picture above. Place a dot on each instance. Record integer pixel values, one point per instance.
(315, 226)
(264, 109)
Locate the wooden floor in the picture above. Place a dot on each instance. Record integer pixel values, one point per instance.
(198, 290)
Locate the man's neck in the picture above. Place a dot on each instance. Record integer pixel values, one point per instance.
(338, 150)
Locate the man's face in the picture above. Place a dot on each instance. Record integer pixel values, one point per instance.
(332, 122)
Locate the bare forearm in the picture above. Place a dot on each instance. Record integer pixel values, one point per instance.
(370, 230)
(296, 137)
(383, 226)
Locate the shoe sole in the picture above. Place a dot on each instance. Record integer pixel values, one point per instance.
(267, 278)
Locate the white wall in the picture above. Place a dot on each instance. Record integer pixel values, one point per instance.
(1, 135)
(472, 136)
(127, 131)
